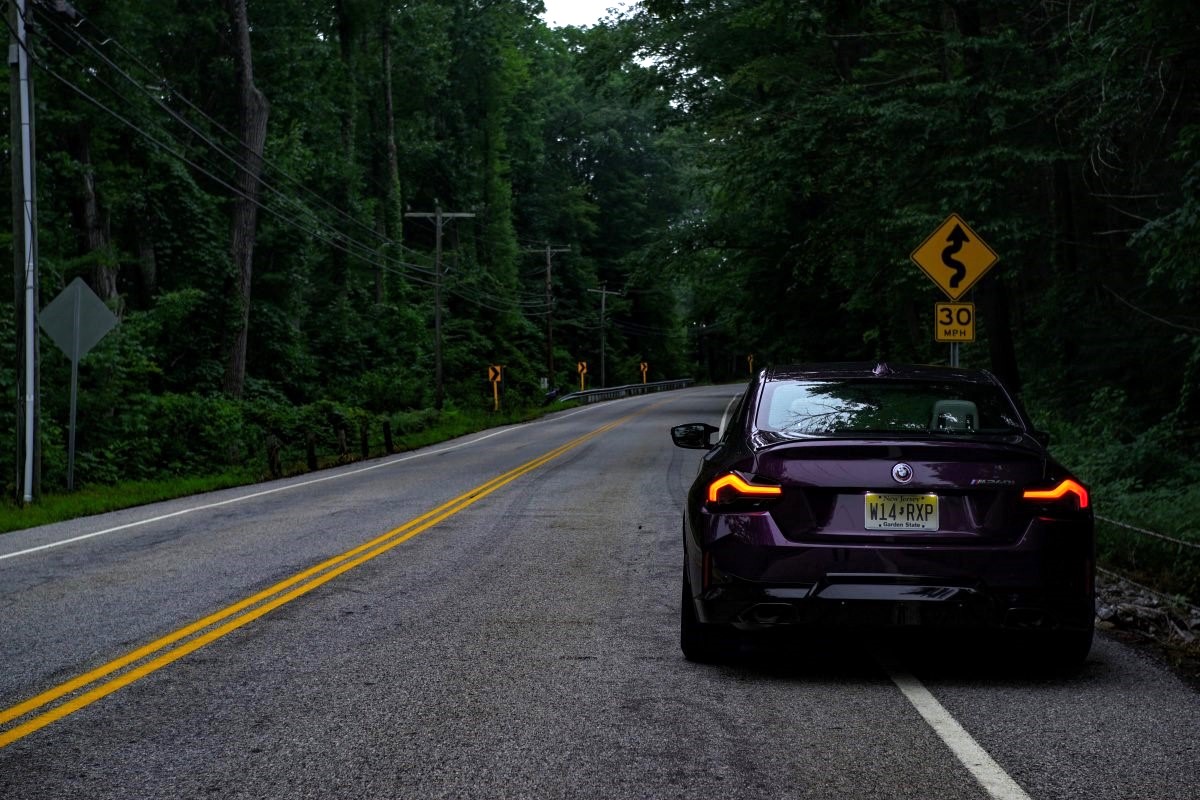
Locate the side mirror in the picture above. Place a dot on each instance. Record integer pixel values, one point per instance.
(693, 436)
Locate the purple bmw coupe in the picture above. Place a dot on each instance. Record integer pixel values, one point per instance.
(864, 495)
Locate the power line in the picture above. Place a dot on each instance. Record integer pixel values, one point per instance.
(166, 85)
(407, 266)
(395, 266)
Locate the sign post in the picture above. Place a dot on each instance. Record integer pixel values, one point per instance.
(954, 258)
(581, 366)
(954, 323)
(644, 367)
(76, 321)
(750, 364)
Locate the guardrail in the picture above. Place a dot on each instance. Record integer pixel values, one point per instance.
(613, 392)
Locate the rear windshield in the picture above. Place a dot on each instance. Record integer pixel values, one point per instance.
(815, 408)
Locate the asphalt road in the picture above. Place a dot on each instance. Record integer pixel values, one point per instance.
(522, 641)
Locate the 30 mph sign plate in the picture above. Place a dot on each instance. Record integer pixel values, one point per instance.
(954, 322)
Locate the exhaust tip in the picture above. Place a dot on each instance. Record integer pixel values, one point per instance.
(770, 614)
(1027, 618)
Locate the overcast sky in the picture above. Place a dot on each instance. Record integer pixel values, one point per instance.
(578, 12)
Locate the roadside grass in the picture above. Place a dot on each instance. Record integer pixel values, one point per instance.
(1128, 516)
(100, 499)
(57, 506)
(1169, 567)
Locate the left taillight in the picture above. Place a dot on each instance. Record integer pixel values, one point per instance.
(1067, 491)
(732, 489)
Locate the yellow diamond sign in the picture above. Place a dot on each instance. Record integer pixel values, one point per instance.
(954, 257)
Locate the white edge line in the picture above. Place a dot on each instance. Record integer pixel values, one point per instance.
(277, 489)
(995, 781)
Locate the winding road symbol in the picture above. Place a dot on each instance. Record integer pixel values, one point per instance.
(956, 239)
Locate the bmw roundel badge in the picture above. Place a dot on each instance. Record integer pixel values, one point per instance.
(902, 473)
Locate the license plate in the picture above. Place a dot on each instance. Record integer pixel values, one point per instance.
(901, 512)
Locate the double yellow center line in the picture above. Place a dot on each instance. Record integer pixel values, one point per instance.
(46, 707)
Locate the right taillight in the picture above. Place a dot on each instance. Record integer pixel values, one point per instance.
(731, 489)
(1067, 491)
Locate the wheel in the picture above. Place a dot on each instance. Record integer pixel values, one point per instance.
(702, 643)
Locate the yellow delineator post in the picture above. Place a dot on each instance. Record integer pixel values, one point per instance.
(581, 366)
(495, 375)
(750, 363)
(645, 367)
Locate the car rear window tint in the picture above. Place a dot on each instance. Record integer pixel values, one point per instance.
(835, 406)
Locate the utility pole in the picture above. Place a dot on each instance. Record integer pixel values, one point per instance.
(549, 251)
(24, 233)
(603, 297)
(438, 216)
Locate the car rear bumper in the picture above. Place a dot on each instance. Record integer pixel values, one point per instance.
(1044, 581)
(903, 601)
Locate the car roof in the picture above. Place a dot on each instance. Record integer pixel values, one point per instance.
(872, 370)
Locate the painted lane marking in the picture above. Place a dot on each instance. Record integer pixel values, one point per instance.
(195, 635)
(289, 487)
(995, 781)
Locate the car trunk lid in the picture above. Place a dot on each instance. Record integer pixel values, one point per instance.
(957, 491)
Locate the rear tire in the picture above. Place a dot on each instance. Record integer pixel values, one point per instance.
(702, 643)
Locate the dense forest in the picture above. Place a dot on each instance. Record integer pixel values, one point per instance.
(254, 189)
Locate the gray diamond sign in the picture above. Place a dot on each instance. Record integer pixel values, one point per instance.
(76, 320)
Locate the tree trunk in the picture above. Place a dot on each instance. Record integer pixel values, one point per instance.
(93, 228)
(147, 259)
(993, 294)
(393, 211)
(342, 261)
(252, 129)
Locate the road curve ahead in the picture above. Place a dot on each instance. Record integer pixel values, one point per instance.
(496, 617)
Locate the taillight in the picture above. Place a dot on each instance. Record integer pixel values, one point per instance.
(1064, 490)
(731, 488)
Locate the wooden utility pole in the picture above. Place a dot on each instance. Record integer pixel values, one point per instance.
(438, 216)
(604, 293)
(549, 251)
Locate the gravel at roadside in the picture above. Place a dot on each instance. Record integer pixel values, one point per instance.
(1166, 628)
